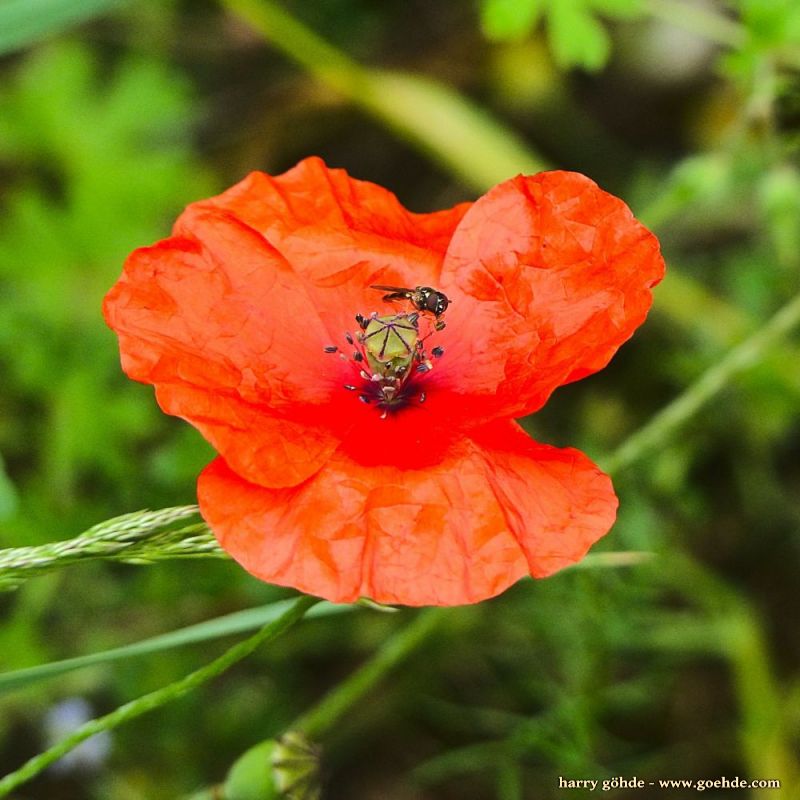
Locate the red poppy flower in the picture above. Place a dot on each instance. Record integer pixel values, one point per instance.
(379, 457)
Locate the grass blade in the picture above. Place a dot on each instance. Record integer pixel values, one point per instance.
(226, 625)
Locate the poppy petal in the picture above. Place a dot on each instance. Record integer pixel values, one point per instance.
(549, 275)
(341, 235)
(495, 508)
(209, 317)
(558, 503)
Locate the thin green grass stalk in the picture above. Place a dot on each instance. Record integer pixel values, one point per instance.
(473, 145)
(663, 425)
(139, 538)
(239, 622)
(325, 714)
(226, 625)
(156, 699)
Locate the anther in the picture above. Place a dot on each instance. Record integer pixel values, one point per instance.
(438, 352)
(349, 338)
(365, 375)
(422, 397)
(364, 399)
(349, 387)
(357, 356)
(426, 367)
(330, 348)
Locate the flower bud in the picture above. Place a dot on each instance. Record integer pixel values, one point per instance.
(277, 769)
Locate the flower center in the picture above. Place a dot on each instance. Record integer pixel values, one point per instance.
(390, 359)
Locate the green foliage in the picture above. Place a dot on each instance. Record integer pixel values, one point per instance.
(23, 22)
(100, 166)
(575, 33)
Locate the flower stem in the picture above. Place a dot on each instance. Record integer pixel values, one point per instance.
(322, 717)
(158, 698)
(666, 422)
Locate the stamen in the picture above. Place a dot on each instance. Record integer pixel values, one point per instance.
(387, 355)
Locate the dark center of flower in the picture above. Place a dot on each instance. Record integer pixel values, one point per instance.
(390, 359)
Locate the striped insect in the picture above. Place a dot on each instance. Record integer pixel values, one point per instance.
(423, 298)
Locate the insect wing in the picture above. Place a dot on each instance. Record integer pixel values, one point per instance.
(402, 289)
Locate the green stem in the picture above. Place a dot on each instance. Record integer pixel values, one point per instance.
(700, 20)
(322, 717)
(666, 422)
(463, 137)
(158, 698)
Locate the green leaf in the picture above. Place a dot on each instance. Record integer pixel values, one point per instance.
(576, 37)
(239, 621)
(509, 19)
(23, 22)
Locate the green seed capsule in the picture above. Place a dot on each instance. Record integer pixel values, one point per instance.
(392, 337)
(278, 769)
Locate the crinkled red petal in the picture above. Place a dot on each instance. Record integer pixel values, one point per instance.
(497, 506)
(341, 235)
(210, 319)
(549, 275)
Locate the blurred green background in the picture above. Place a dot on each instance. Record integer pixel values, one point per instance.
(115, 115)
